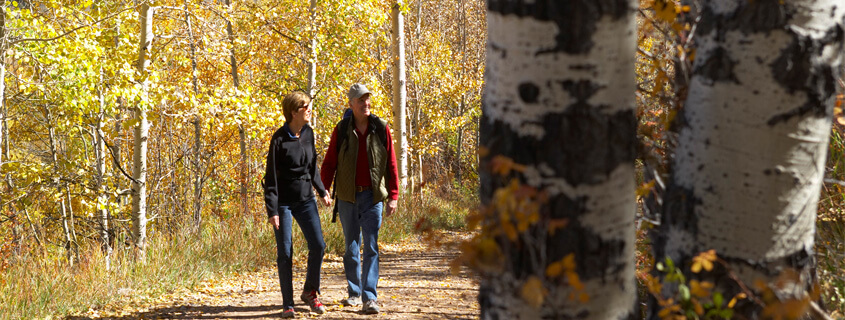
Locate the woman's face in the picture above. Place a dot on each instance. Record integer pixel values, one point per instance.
(303, 114)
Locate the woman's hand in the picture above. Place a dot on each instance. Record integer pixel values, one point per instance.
(274, 220)
(327, 200)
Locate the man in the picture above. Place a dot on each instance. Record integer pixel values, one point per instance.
(361, 154)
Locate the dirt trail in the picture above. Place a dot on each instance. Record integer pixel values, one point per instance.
(415, 283)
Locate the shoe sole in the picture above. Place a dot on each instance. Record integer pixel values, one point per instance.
(346, 303)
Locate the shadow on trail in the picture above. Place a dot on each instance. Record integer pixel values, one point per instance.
(203, 312)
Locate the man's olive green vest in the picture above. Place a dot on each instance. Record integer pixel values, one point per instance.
(347, 157)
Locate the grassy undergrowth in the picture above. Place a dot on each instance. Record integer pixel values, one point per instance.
(40, 284)
(830, 247)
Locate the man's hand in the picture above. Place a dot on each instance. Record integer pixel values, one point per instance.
(274, 220)
(391, 207)
(327, 200)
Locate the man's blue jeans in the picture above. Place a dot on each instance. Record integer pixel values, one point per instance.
(308, 219)
(361, 217)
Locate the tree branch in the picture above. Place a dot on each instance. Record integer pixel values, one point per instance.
(14, 42)
(114, 158)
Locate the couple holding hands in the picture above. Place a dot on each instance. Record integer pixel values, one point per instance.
(361, 161)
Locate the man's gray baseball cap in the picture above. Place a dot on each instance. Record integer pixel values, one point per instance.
(356, 91)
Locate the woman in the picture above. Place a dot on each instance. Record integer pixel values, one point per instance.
(291, 173)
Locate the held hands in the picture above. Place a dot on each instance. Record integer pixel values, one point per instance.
(391, 207)
(327, 200)
(274, 220)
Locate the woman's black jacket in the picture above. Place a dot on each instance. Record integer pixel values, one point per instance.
(291, 169)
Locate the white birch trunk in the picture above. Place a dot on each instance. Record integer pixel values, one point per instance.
(560, 103)
(753, 140)
(400, 138)
(3, 138)
(233, 63)
(312, 60)
(197, 122)
(100, 189)
(66, 226)
(141, 131)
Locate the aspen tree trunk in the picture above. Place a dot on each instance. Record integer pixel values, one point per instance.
(312, 59)
(560, 105)
(3, 143)
(139, 169)
(241, 129)
(100, 189)
(752, 143)
(197, 216)
(400, 140)
(66, 226)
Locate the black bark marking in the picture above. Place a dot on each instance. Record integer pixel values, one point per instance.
(576, 19)
(750, 17)
(718, 67)
(761, 16)
(796, 70)
(529, 92)
(582, 144)
(581, 90)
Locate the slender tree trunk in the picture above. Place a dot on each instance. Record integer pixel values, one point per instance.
(312, 59)
(460, 143)
(4, 145)
(400, 140)
(102, 197)
(139, 172)
(752, 144)
(199, 172)
(558, 135)
(66, 227)
(244, 174)
(197, 122)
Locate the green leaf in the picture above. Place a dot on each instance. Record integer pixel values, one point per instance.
(684, 291)
(718, 300)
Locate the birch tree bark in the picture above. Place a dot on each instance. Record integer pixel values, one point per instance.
(197, 216)
(66, 225)
(312, 59)
(241, 129)
(3, 47)
(558, 230)
(141, 135)
(752, 142)
(400, 143)
(101, 212)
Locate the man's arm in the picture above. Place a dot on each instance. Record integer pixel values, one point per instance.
(327, 170)
(392, 176)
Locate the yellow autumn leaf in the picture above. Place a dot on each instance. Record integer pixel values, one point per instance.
(665, 10)
(554, 269)
(533, 292)
(569, 262)
(736, 298)
(700, 289)
(583, 297)
(574, 281)
(704, 261)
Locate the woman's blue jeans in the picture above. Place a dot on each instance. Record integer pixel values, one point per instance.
(306, 216)
(361, 217)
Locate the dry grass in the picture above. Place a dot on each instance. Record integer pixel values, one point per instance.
(40, 284)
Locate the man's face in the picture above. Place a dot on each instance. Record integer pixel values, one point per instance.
(360, 106)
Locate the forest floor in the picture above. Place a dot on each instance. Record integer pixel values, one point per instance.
(416, 282)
